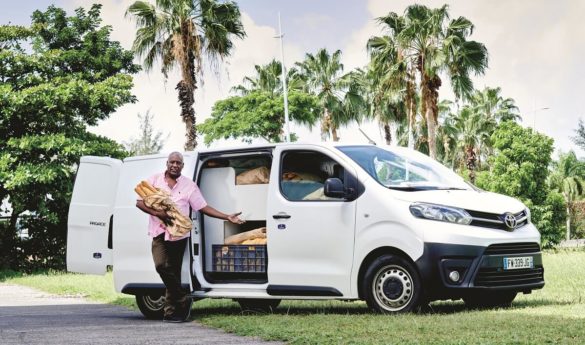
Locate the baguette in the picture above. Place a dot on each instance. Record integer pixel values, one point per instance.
(148, 187)
(140, 191)
(243, 236)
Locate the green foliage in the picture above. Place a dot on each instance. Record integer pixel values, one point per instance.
(579, 139)
(258, 114)
(148, 142)
(519, 168)
(73, 76)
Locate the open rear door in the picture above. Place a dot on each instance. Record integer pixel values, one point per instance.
(89, 226)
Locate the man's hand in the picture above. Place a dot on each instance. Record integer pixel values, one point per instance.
(164, 217)
(233, 218)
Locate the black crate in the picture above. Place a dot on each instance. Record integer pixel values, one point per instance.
(239, 258)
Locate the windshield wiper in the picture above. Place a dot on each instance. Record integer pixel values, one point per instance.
(450, 188)
(421, 188)
(411, 188)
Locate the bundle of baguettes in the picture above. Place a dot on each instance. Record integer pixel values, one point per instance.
(160, 200)
(256, 236)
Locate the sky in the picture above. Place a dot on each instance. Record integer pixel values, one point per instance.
(535, 50)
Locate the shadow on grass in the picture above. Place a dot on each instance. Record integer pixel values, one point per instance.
(357, 308)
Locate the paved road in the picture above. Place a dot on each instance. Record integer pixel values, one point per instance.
(28, 316)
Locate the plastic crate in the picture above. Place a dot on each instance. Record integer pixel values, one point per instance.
(239, 258)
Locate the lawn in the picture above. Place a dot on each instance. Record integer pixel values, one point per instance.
(555, 314)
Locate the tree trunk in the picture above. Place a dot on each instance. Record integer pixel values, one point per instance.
(470, 159)
(325, 125)
(429, 116)
(411, 109)
(387, 133)
(568, 222)
(186, 101)
(334, 133)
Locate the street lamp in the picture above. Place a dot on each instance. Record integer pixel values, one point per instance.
(284, 90)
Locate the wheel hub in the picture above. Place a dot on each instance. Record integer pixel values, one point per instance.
(393, 288)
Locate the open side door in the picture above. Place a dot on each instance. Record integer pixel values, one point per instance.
(89, 225)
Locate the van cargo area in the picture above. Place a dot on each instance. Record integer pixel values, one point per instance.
(223, 187)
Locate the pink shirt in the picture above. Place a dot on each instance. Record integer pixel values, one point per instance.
(185, 193)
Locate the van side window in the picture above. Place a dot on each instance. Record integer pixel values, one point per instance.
(303, 174)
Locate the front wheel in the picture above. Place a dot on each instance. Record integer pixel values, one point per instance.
(151, 306)
(392, 285)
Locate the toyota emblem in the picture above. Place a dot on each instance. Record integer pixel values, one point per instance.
(510, 221)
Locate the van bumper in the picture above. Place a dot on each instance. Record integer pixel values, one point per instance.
(479, 268)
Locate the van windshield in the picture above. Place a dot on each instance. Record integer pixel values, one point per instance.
(404, 169)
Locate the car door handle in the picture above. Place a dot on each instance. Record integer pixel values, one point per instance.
(281, 215)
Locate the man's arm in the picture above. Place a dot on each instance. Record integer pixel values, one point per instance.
(210, 211)
(162, 215)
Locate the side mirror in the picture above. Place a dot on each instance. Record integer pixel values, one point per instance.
(334, 188)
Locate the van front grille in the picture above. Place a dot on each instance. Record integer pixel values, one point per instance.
(498, 277)
(496, 221)
(512, 248)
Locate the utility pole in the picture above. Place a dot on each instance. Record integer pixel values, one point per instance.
(284, 89)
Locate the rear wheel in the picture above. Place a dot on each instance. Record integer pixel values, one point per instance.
(151, 306)
(392, 285)
(490, 299)
(258, 304)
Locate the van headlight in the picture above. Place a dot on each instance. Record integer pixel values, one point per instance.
(440, 213)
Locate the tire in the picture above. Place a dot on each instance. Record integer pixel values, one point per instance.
(258, 304)
(151, 306)
(490, 299)
(392, 285)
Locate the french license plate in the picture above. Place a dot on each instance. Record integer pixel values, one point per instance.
(519, 262)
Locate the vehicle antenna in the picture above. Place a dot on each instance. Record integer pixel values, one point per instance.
(365, 135)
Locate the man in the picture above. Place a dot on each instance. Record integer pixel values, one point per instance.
(167, 252)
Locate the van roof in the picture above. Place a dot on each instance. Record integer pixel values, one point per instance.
(246, 147)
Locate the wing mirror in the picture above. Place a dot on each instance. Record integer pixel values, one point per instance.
(334, 188)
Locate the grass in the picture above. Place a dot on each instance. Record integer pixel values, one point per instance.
(553, 315)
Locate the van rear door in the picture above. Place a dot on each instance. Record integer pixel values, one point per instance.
(89, 224)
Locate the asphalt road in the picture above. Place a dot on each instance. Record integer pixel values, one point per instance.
(28, 316)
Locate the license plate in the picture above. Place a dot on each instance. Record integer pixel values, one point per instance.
(518, 263)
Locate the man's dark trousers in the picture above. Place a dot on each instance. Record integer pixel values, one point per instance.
(168, 259)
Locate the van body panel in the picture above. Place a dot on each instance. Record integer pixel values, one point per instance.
(314, 247)
(90, 214)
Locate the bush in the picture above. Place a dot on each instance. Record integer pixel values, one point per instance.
(519, 168)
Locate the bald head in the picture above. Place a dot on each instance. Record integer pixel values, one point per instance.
(174, 164)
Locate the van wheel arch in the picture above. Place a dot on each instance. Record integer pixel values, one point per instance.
(373, 255)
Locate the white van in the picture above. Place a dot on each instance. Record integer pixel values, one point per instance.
(386, 225)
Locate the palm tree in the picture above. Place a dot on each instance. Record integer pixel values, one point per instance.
(382, 103)
(490, 102)
(392, 77)
(433, 44)
(567, 178)
(338, 93)
(184, 33)
(268, 79)
(465, 132)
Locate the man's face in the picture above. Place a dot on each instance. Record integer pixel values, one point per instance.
(174, 165)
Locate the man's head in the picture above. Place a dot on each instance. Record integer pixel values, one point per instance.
(174, 164)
